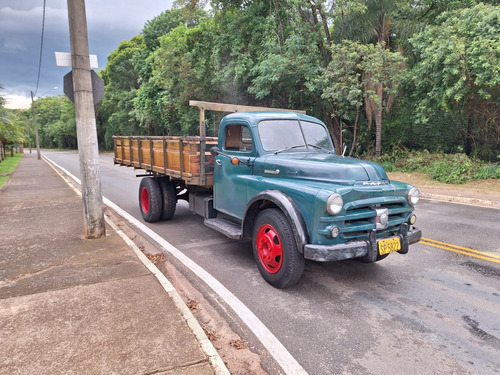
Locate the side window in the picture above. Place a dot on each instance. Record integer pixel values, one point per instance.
(238, 138)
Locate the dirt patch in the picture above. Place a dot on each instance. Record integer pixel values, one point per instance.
(481, 192)
(233, 349)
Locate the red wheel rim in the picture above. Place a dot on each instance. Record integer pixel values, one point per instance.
(145, 200)
(269, 248)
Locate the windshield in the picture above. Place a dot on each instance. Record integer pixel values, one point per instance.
(281, 135)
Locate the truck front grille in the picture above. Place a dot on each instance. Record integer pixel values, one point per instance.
(360, 217)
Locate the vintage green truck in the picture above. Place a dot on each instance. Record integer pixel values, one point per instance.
(273, 176)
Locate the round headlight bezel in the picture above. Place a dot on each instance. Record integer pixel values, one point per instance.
(334, 204)
(413, 196)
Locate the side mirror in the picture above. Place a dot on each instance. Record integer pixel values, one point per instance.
(234, 160)
(215, 151)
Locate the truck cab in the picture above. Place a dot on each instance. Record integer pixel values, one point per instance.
(278, 181)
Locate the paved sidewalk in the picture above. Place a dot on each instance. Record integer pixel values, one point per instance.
(70, 305)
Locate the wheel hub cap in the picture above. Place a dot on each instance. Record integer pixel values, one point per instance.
(269, 248)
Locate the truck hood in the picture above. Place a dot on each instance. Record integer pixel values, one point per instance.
(320, 167)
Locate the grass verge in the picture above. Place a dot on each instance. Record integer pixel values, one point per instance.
(447, 168)
(7, 166)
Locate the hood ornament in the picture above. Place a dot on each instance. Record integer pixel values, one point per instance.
(375, 183)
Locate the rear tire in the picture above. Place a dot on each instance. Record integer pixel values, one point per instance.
(169, 197)
(150, 200)
(275, 249)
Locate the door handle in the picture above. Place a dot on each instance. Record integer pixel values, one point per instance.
(218, 162)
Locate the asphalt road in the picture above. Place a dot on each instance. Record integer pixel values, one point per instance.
(435, 310)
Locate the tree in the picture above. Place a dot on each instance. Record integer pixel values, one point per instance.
(56, 122)
(459, 69)
(152, 104)
(116, 111)
(241, 29)
(183, 70)
(362, 73)
(12, 128)
(294, 53)
(377, 26)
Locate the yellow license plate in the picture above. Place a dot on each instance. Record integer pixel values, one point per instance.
(389, 245)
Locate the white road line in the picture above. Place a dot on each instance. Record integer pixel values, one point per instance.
(275, 348)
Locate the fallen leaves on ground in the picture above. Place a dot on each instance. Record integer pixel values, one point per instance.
(192, 304)
(210, 334)
(155, 258)
(239, 344)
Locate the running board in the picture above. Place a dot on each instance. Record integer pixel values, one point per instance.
(225, 227)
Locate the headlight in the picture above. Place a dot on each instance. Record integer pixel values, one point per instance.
(334, 204)
(413, 196)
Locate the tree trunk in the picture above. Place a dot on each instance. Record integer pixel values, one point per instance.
(378, 121)
(470, 126)
(354, 133)
(333, 126)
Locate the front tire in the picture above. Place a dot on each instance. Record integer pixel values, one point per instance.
(275, 249)
(150, 199)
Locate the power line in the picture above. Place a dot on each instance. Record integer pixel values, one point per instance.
(41, 47)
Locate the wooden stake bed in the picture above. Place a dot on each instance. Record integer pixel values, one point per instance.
(176, 157)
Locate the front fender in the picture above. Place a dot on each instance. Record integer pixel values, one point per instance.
(270, 198)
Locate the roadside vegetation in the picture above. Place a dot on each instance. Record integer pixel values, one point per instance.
(12, 132)
(448, 168)
(413, 85)
(7, 166)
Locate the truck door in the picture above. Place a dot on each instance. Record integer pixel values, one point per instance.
(231, 180)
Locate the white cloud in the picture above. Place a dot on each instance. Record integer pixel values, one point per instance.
(17, 101)
(20, 21)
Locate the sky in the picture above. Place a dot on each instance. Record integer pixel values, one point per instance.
(109, 22)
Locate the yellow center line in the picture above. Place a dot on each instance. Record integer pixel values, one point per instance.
(462, 250)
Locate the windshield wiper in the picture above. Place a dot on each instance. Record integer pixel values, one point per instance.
(320, 148)
(288, 148)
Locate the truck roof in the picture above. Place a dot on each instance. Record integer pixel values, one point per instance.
(255, 117)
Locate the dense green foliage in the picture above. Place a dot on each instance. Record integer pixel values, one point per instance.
(56, 122)
(12, 126)
(424, 72)
(449, 168)
(459, 69)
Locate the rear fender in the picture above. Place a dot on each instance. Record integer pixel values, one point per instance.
(276, 198)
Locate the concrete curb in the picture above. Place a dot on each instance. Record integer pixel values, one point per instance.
(461, 200)
(206, 345)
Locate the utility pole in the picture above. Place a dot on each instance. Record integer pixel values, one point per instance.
(36, 127)
(29, 137)
(88, 150)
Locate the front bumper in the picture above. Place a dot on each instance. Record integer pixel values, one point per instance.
(366, 249)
